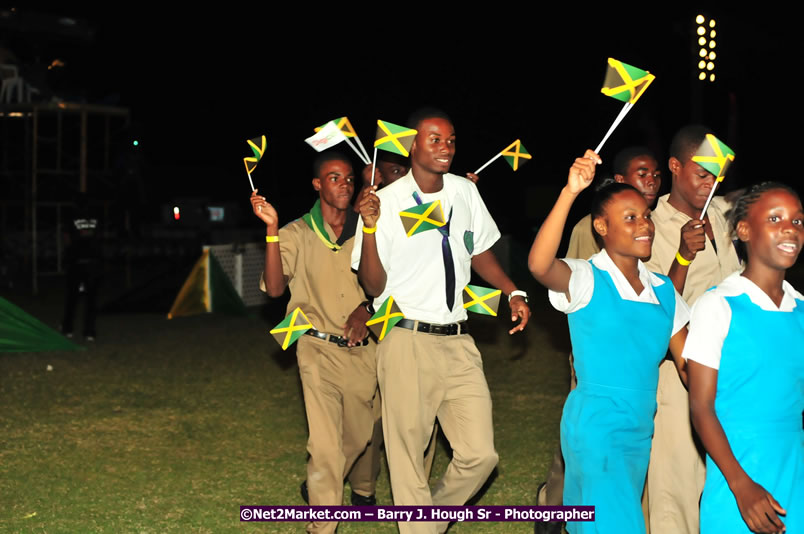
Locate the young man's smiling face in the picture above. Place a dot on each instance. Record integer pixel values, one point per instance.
(434, 146)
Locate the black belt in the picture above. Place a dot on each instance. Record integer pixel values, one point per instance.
(338, 340)
(452, 329)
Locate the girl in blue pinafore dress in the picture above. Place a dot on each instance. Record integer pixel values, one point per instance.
(622, 319)
(746, 374)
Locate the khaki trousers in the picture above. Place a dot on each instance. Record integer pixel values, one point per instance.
(421, 377)
(339, 384)
(364, 473)
(363, 476)
(677, 471)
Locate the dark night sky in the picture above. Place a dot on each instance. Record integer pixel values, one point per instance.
(200, 83)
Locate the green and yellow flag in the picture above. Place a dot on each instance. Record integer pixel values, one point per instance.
(291, 328)
(423, 217)
(481, 299)
(258, 147)
(344, 125)
(394, 138)
(714, 156)
(514, 152)
(625, 82)
(385, 319)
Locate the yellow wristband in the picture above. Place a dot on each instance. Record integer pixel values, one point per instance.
(682, 260)
(272, 239)
(367, 230)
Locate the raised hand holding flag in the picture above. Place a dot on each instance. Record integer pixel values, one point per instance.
(258, 147)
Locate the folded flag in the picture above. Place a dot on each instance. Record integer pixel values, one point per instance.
(328, 136)
(385, 319)
(514, 152)
(258, 147)
(625, 82)
(343, 125)
(394, 138)
(481, 299)
(714, 156)
(291, 328)
(423, 217)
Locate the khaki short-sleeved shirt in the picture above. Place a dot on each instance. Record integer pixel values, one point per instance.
(321, 281)
(708, 268)
(582, 245)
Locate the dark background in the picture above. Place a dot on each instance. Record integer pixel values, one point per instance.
(199, 82)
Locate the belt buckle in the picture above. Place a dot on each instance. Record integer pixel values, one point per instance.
(342, 341)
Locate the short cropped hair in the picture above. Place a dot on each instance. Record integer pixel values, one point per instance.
(687, 140)
(421, 114)
(623, 158)
(326, 157)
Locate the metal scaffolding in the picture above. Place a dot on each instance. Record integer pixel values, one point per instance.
(48, 153)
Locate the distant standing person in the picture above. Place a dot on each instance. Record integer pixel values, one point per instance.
(83, 259)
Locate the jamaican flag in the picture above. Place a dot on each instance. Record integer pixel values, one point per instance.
(714, 156)
(625, 82)
(394, 138)
(482, 300)
(385, 319)
(291, 328)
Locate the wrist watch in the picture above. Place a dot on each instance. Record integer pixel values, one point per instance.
(518, 293)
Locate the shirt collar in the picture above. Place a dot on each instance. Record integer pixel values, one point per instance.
(741, 284)
(603, 261)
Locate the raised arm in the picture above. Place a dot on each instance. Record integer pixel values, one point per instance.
(273, 275)
(542, 262)
(370, 272)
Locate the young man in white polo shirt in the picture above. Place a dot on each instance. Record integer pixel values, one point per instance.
(428, 366)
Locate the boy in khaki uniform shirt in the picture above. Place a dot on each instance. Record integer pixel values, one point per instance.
(676, 472)
(337, 366)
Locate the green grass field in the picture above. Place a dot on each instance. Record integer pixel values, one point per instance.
(170, 426)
